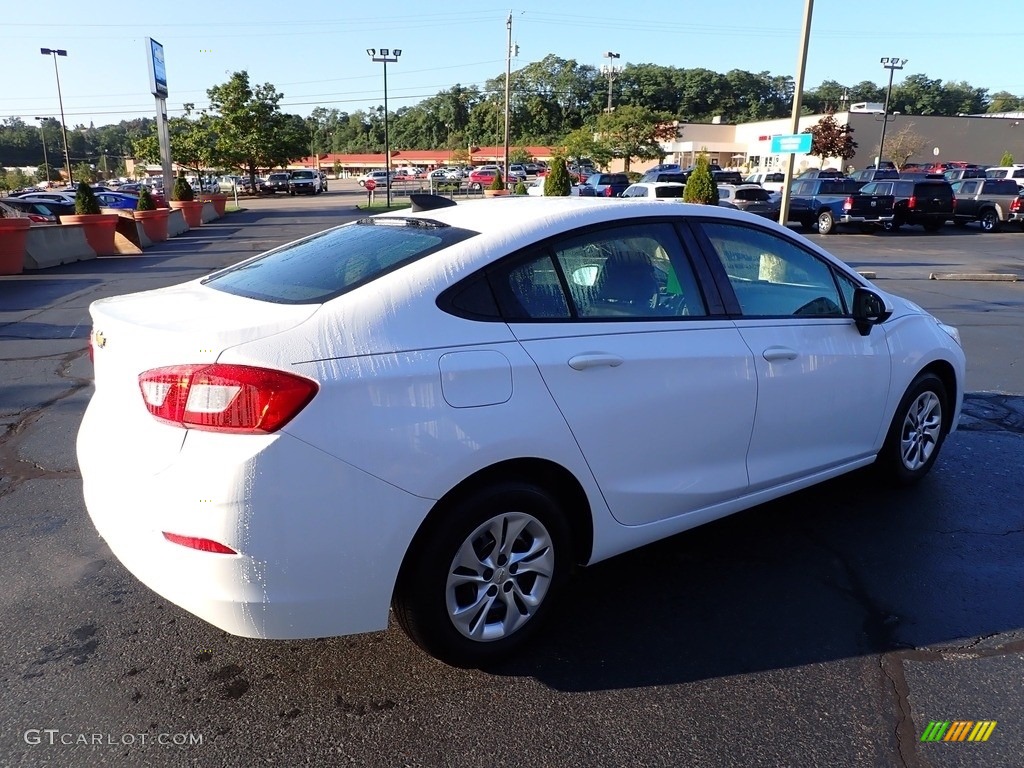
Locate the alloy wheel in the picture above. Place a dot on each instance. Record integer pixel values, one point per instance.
(921, 431)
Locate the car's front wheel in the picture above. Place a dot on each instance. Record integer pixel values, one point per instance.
(480, 580)
(918, 429)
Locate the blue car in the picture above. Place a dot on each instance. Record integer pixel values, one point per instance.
(117, 200)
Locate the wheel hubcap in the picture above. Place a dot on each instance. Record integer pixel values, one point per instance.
(500, 576)
(921, 430)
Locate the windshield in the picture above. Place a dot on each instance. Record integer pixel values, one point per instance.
(328, 264)
(303, 175)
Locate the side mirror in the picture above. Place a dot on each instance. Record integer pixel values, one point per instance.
(869, 309)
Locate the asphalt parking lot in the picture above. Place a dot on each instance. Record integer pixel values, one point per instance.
(828, 628)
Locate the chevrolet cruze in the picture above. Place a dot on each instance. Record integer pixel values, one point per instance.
(442, 411)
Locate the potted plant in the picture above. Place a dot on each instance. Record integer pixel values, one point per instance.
(520, 188)
(153, 219)
(183, 199)
(13, 234)
(557, 183)
(99, 228)
(497, 186)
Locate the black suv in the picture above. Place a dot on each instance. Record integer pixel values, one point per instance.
(927, 202)
(278, 182)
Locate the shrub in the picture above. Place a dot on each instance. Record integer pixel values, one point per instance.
(520, 188)
(556, 183)
(146, 202)
(634, 176)
(85, 200)
(182, 190)
(701, 187)
(497, 182)
(1007, 159)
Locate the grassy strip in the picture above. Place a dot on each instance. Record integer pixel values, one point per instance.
(382, 207)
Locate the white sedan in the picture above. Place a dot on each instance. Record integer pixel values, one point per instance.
(444, 411)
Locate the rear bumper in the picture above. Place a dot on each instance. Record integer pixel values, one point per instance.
(856, 219)
(319, 542)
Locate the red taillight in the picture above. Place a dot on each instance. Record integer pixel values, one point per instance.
(225, 398)
(848, 204)
(38, 219)
(203, 545)
(912, 202)
(608, 192)
(1015, 205)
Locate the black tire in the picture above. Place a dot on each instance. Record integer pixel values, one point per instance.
(989, 220)
(826, 223)
(425, 601)
(475, 186)
(918, 429)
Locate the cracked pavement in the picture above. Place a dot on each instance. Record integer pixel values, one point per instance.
(827, 628)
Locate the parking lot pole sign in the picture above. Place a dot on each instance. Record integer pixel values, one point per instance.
(798, 88)
(158, 87)
(791, 144)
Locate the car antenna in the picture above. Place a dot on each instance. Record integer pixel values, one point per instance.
(427, 202)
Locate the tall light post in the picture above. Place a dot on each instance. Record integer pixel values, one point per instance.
(385, 55)
(609, 70)
(42, 139)
(55, 52)
(892, 64)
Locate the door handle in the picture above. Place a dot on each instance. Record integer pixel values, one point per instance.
(774, 354)
(594, 360)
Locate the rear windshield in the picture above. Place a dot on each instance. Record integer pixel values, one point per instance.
(1001, 187)
(668, 191)
(320, 267)
(303, 175)
(753, 194)
(278, 176)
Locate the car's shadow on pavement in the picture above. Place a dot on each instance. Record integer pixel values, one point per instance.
(846, 569)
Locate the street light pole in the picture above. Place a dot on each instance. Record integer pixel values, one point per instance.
(55, 52)
(42, 139)
(386, 55)
(892, 64)
(609, 70)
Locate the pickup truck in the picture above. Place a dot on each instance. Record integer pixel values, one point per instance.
(986, 201)
(824, 203)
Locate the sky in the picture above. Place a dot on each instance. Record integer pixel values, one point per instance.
(316, 54)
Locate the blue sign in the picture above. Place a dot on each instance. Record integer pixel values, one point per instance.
(791, 144)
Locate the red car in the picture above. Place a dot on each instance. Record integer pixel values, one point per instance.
(480, 178)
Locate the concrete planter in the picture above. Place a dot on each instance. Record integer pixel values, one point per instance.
(154, 223)
(192, 209)
(495, 192)
(99, 230)
(13, 233)
(220, 202)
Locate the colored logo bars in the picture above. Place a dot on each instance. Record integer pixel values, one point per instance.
(958, 730)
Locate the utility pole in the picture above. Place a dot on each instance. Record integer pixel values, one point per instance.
(798, 90)
(609, 70)
(42, 138)
(508, 90)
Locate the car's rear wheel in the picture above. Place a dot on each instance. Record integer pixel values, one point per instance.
(826, 223)
(479, 582)
(918, 429)
(989, 221)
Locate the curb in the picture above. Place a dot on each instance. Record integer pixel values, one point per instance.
(991, 277)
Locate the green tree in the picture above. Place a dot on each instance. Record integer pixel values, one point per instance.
(582, 143)
(1004, 101)
(520, 188)
(829, 139)
(700, 186)
(252, 132)
(557, 183)
(497, 182)
(85, 200)
(182, 190)
(635, 132)
(85, 172)
(146, 202)
(1006, 159)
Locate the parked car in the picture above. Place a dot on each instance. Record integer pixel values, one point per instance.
(278, 181)
(660, 190)
(450, 413)
(874, 174)
(822, 173)
(955, 174)
(39, 213)
(773, 181)
(305, 182)
(517, 172)
(56, 197)
(986, 201)
(379, 178)
(824, 202)
(677, 177)
(927, 202)
(118, 200)
(480, 178)
(248, 187)
(1017, 211)
(604, 185)
(1015, 172)
(751, 198)
(135, 189)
